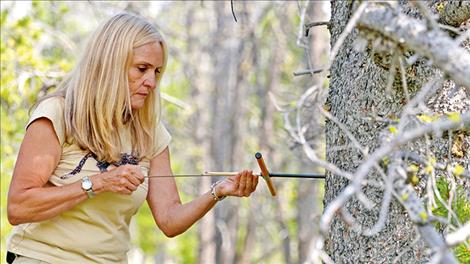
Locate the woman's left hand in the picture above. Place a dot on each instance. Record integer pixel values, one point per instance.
(241, 185)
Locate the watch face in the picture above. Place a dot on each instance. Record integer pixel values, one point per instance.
(86, 184)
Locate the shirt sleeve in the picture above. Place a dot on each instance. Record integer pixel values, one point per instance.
(162, 139)
(52, 109)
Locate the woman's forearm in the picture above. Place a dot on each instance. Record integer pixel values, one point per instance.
(33, 204)
(43, 203)
(173, 217)
(180, 217)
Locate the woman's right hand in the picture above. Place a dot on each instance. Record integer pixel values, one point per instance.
(124, 179)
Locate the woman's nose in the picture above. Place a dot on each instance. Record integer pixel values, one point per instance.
(150, 82)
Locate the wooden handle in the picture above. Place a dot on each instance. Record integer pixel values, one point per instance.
(265, 173)
(224, 173)
(221, 173)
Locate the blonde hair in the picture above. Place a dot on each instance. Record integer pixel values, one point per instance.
(97, 96)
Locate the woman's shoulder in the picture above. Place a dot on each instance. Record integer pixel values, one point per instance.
(51, 108)
(53, 102)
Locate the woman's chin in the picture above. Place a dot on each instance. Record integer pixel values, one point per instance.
(137, 105)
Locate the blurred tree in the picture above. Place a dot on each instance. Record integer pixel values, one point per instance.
(216, 104)
(316, 47)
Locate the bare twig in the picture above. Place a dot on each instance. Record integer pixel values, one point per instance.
(302, 14)
(434, 239)
(452, 29)
(233, 12)
(403, 79)
(458, 236)
(178, 102)
(308, 26)
(428, 89)
(463, 37)
(364, 168)
(298, 132)
(318, 255)
(391, 75)
(309, 71)
(386, 200)
(428, 16)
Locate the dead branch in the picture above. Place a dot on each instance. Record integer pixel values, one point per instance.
(435, 241)
(459, 236)
(414, 34)
(400, 139)
(308, 26)
(233, 12)
(309, 71)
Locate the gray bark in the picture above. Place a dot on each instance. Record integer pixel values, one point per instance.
(357, 89)
(454, 12)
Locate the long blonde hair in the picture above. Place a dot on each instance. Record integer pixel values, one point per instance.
(97, 96)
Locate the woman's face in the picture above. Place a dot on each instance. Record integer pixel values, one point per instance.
(147, 61)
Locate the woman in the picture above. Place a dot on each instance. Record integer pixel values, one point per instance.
(80, 173)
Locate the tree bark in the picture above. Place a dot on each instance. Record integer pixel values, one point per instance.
(357, 89)
(358, 83)
(453, 12)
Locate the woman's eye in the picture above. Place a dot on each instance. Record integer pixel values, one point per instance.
(142, 69)
(157, 70)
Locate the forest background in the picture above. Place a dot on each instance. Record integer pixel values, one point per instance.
(223, 83)
(385, 110)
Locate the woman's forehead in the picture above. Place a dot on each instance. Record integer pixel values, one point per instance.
(150, 53)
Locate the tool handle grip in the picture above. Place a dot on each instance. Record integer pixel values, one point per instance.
(265, 173)
(221, 173)
(224, 173)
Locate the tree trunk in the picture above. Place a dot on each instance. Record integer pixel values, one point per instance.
(200, 123)
(225, 133)
(309, 196)
(357, 91)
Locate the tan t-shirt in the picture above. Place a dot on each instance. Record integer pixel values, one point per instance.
(96, 230)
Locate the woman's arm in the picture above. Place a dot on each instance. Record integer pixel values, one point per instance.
(31, 198)
(172, 217)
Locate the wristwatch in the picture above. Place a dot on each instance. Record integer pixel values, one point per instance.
(87, 186)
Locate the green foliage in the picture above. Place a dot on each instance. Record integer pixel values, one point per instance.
(23, 67)
(460, 204)
(462, 252)
(153, 242)
(45, 40)
(147, 237)
(185, 246)
(461, 207)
